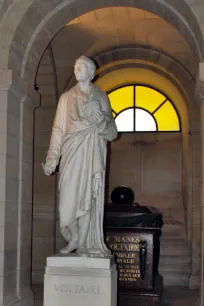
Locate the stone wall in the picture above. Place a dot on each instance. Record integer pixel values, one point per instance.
(23, 40)
(44, 191)
(151, 164)
(196, 196)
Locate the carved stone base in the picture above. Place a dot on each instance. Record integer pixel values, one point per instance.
(142, 297)
(82, 281)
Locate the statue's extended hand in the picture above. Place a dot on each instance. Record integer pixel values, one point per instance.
(49, 166)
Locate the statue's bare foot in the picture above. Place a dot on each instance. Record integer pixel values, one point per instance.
(82, 252)
(69, 248)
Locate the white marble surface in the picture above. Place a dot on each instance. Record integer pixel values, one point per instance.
(80, 281)
(72, 260)
(83, 124)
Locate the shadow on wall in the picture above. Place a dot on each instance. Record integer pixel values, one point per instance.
(65, 55)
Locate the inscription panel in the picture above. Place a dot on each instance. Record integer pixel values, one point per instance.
(78, 289)
(125, 244)
(72, 290)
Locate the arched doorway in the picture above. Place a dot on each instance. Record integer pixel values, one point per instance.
(22, 56)
(146, 158)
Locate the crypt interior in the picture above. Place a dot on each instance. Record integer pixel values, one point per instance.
(149, 57)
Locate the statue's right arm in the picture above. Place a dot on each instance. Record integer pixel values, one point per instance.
(58, 130)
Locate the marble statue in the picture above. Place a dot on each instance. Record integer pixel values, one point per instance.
(83, 124)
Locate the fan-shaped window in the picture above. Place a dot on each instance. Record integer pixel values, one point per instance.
(138, 108)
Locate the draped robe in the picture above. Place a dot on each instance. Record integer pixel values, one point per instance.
(80, 145)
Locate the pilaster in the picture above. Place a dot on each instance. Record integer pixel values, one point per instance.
(17, 104)
(200, 99)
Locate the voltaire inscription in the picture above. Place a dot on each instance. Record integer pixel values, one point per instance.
(126, 249)
(76, 289)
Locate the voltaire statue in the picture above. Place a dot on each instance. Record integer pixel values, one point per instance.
(83, 124)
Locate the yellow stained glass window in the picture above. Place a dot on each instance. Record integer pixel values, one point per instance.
(148, 98)
(138, 108)
(167, 118)
(126, 97)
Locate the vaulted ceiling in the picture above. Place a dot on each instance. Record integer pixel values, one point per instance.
(109, 28)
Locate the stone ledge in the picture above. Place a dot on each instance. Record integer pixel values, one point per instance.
(72, 261)
(80, 272)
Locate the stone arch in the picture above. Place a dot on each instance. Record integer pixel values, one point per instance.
(35, 33)
(152, 59)
(23, 41)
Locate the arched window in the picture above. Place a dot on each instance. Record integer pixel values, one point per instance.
(138, 108)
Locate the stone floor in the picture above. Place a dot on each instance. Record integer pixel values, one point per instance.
(177, 296)
(172, 296)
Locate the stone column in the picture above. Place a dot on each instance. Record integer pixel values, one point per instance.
(25, 195)
(200, 97)
(5, 82)
(194, 209)
(16, 149)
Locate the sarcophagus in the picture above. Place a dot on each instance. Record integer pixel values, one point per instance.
(132, 233)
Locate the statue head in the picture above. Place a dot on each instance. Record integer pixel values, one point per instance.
(84, 69)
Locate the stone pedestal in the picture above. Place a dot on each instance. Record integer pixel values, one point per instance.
(80, 281)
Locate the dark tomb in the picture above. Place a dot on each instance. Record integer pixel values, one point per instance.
(133, 233)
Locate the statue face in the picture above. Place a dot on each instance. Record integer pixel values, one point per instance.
(81, 71)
